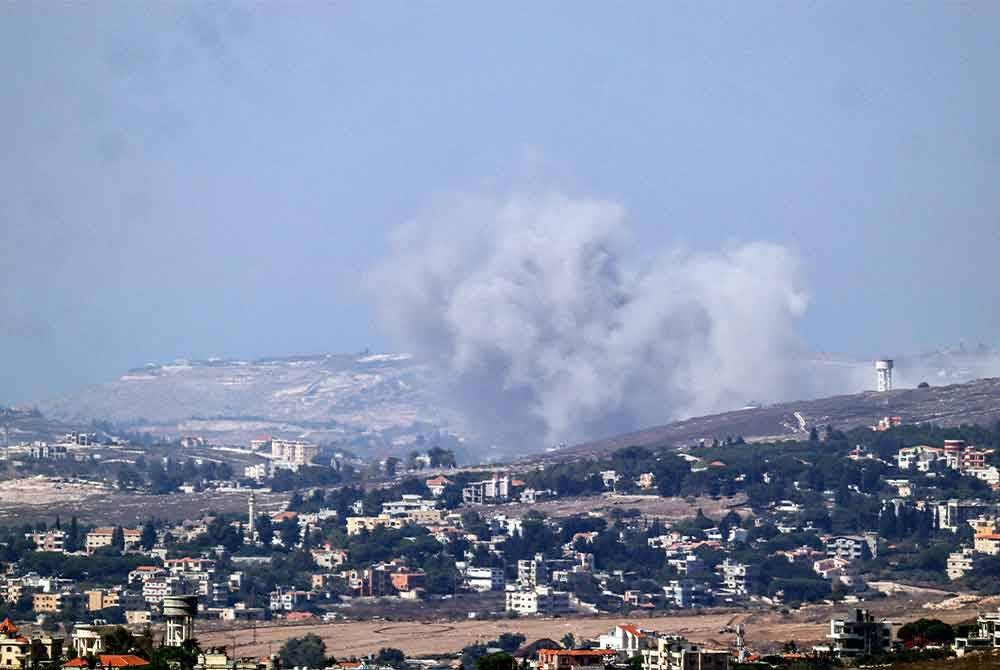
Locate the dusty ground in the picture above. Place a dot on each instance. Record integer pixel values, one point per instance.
(41, 498)
(651, 506)
(764, 628)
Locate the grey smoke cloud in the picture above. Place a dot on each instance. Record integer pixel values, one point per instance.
(549, 325)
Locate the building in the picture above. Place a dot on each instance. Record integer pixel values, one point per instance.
(738, 578)
(17, 652)
(951, 514)
(50, 540)
(358, 524)
(104, 537)
(685, 593)
(481, 580)
(437, 485)
(625, 639)
(532, 572)
(405, 579)
(851, 547)
(539, 600)
(288, 600)
(883, 375)
(109, 662)
(328, 557)
(87, 640)
(860, 635)
(495, 490)
(293, 452)
(574, 659)
(675, 653)
(409, 502)
(959, 563)
(57, 602)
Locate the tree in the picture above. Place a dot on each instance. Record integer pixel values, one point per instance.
(391, 465)
(308, 651)
(289, 531)
(390, 656)
(498, 661)
(72, 540)
(119, 641)
(510, 641)
(265, 530)
(148, 537)
(118, 538)
(568, 641)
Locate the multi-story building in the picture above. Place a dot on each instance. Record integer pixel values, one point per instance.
(405, 579)
(861, 635)
(851, 547)
(959, 563)
(293, 452)
(17, 652)
(485, 579)
(104, 537)
(437, 485)
(494, 490)
(539, 600)
(288, 600)
(328, 557)
(358, 524)
(684, 593)
(627, 640)
(57, 602)
(675, 653)
(49, 540)
(532, 572)
(952, 514)
(574, 659)
(738, 578)
(190, 567)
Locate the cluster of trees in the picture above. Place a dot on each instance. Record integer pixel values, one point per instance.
(168, 475)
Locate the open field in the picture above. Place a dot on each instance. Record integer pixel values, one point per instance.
(29, 499)
(764, 628)
(650, 506)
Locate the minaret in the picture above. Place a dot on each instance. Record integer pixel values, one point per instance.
(250, 538)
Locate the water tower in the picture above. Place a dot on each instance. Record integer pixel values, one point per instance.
(179, 611)
(883, 375)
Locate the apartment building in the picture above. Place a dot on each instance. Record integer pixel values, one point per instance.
(539, 600)
(294, 452)
(671, 652)
(104, 537)
(495, 490)
(57, 602)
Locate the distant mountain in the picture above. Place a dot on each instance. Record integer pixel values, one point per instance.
(385, 400)
(324, 397)
(972, 402)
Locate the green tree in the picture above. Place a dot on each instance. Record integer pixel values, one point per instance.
(265, 530)
(148, 538)
(289, 531)
(390, 656)
(118, 538)
(391, 466)
(498, 661)
(308, 651)
(568, 641)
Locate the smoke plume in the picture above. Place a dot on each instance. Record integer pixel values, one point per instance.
(548, 324)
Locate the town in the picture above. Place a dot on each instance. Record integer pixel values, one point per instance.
(750, 532)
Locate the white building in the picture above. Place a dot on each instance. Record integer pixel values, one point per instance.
(485, 579)
(539, 600)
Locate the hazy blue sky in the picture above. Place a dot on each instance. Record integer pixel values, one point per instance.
(188, 180)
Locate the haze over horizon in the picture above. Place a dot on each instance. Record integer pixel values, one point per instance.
(191, 180)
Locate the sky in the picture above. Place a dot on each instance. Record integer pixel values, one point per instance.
(185, 180)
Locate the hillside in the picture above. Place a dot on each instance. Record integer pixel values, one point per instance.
(972, 402)
(326, 397)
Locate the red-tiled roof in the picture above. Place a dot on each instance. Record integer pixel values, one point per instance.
(576, 652)
(111, 661)
(440, 480)
(8, 627)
